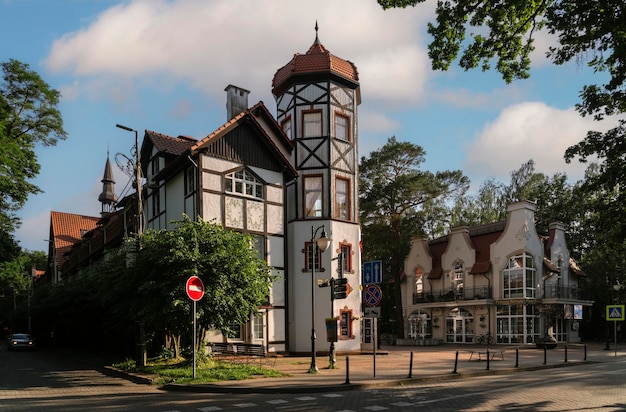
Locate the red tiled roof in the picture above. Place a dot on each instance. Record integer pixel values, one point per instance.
(169, 144)
(480, 267)
(67, 229)
(316, 60)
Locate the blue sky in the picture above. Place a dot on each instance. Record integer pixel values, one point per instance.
(163, 66)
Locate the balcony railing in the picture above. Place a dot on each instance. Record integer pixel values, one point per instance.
(564, 292)
(451, 295)
(485, 292)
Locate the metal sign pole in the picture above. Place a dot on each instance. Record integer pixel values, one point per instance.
(374, 337)
(194, 339)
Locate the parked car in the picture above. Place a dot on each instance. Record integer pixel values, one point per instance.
(19, 341)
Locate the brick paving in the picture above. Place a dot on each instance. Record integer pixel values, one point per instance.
(397, 365)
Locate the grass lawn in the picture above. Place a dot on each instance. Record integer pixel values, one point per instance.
(180, 370)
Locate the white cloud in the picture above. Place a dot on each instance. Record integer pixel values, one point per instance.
(465, 98)
(531, 130)
(209, 45)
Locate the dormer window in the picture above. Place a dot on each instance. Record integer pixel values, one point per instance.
(244, 183)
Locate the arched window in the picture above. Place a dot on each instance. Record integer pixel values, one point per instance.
(458, 278)
(420, 325)
(245, 183)
(519, 277)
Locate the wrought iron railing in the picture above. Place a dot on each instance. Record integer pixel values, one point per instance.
(450, 295)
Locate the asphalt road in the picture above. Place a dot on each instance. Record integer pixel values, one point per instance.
(38, 381)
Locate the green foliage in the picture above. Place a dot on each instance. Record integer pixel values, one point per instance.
(28, 116)
(499, 30)
(109, 298)
(237, 281)
(398, 200)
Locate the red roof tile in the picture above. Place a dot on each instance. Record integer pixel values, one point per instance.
(67, 229)
(169, 144)
(316, 60)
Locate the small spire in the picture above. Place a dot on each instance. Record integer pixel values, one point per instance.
(317, 40)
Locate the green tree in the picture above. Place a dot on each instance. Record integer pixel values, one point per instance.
(398, 200)
(28, 116)
(487, 205)
(589, 32)
(149, 287)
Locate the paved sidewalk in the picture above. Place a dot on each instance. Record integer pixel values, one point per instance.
(392, 366)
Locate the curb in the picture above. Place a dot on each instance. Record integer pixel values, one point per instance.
(212, 388)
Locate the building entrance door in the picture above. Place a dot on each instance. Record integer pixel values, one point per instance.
(459, 326)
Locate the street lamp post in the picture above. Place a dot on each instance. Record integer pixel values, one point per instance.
(137, 180)
(141, 356)
(322, 243)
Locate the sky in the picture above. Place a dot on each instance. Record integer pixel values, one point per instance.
(163, 65)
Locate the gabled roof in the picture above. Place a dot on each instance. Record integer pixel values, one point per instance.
(317, 60)
(481, 236)
(252, 117)
(170, 145)
(66, 229)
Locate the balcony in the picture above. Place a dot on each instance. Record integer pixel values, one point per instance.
(451, 295)
(565, 292)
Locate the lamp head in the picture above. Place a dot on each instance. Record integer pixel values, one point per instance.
(323, 242)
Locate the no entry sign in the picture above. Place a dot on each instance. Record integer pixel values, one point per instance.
(195, 288)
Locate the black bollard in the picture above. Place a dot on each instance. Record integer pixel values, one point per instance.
(411, 366)
(487, 359)
(516, 357)
(565, 354)
(456, 361)
(545, 355)
(585, 353)
(347, 371)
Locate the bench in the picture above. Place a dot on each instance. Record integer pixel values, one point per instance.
(482, 354)
(242, 352)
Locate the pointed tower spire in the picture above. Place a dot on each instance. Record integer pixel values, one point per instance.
(317, 40)
(108, 198)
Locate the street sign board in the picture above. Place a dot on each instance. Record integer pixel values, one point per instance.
(372, 295)
(195, 288)
(372, 312)
(614, 312)
(372, 272)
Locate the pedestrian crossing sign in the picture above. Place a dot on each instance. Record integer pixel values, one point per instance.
(614, 312)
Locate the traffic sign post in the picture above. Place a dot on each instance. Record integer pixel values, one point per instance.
(373, 294)
(614, 313)
(372, 272)
(195, 291)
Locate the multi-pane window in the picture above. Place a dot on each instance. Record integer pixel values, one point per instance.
(342, 127)
(346, 253)
(309, 257)
(313, 196)
(286, 125)
(312, 124)
(156, 202)
(258, 326)
(190, 180)
(154, 166)
(458, 274)
(235, 331)
(519, 277)
(419, 281)
(517, 324)
(345, 324)
(342, 198)
(245, 183)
